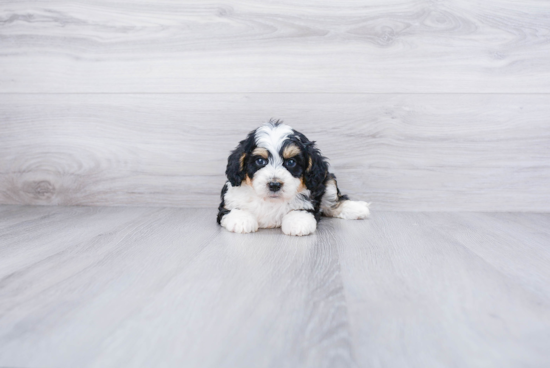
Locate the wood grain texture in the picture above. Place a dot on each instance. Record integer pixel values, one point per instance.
(414, 279)
(400, 152)
(142, 287)
(208, 297)
(247, 46)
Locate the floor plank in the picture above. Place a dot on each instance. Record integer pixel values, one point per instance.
(423, 291)
(367, 46)
(400, 152)
(198, 290)
(141, 287)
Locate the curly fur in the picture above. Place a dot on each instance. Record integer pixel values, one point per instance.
(281, 191)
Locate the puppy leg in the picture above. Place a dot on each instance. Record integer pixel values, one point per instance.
(353, 210)
(334, 204)
(299, 223)
(239, 221)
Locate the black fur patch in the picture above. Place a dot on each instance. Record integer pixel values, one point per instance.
(341, 197)
(301, 159)
(251, 164)
(222, 211)
(234, 171)
(316, 175)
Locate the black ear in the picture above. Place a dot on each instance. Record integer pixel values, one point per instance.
(316, 169)
(236, 163)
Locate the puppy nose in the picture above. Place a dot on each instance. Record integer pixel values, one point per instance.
(275, 186)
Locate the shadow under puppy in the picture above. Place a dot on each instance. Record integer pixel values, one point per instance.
(278, 178)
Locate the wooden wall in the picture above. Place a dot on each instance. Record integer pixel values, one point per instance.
(419, 105)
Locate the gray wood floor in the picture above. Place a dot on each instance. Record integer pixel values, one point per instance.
(167, 287)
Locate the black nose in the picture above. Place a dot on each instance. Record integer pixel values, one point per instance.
(275, 186)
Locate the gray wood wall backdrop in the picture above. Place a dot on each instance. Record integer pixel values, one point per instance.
(420, 105)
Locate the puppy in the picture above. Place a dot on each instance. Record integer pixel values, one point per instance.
(276, 177)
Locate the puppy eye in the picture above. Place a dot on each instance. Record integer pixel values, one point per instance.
(290, 163)
(261, 161)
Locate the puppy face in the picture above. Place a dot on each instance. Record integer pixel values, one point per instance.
(276, 161)
(274, 176)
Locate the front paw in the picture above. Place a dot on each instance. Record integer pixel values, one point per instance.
(354, 210)
(239, 221)
(299, 223)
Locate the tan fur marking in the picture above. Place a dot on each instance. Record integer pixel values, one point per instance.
(309, 164)
(241, 161)
(248, 180)
(302, 186)
(260, 152)
(291, 151)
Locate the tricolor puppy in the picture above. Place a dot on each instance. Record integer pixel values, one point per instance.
(277, 178)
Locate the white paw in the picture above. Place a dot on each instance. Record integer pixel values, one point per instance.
(239, 221)
(299, 223)
(354, 210)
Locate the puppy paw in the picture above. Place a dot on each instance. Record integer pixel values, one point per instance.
(354, 210)
(299, 223)
(239, 221)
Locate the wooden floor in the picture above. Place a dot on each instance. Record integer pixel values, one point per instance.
(167, 287)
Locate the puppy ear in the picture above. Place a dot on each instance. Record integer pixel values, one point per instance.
(236, 163)
(317, 168)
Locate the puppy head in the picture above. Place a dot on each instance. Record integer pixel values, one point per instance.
(277, 162)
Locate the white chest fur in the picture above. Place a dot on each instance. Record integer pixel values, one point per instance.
(269, 213)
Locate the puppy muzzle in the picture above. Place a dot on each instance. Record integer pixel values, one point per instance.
(274, 186)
